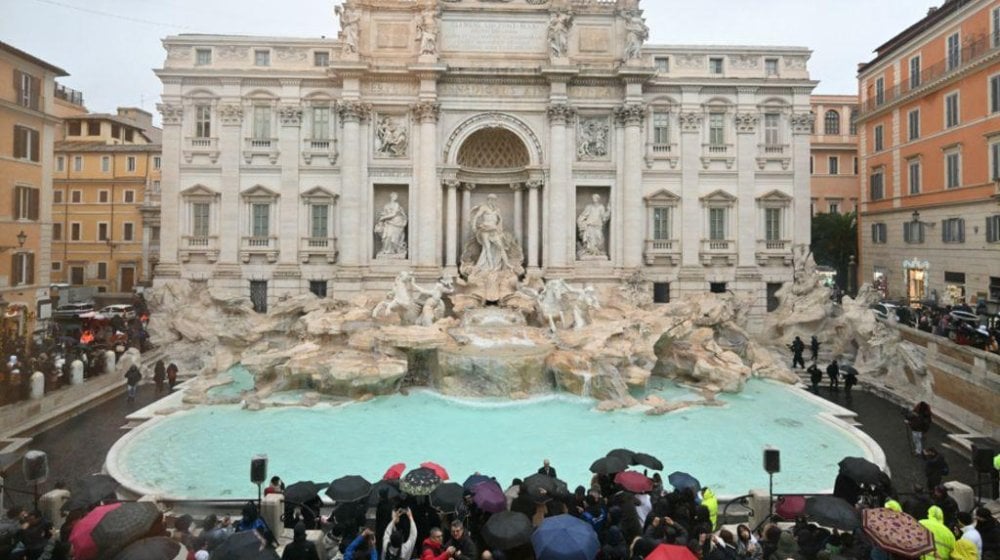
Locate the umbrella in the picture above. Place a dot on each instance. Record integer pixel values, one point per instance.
(634, 481)
(608, 465)
(626, 455)
(507, 530)
(564, 537)
(682, 480)
(349, 488)
(861, 470)
(154, 548)
(896, 533)
(833, 512)
(475, 480)
(106, 530)
(489, 497)
(419, 482)
(303, 491)
(245, 545)
(648, 461)
(390, 487)
(394, 472)
(89, 491)
(790, 507)
(671, 552)
(849, 369)
(540, 487)
(447, 496)
(438, 469)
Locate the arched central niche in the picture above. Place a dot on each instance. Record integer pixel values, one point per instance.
(493, 149)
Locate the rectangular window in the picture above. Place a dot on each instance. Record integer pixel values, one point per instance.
(879, 91)
(318, 288)
(23, 269)
(26, 143)
(261, 122)
(102, 271)
(93, 128)
(76, 275)
(853, 130)
(262, 58)
(995, 21)
(772, 133)
(75, 231)
(73, 128)
(855, 165)
(715, 65)
(199, 219)
(661, 292)
(102, 231)
(321, 123)
(716, 129)
(57, 231)
(662, 64)
(28, 89)
(57, 197)
(56, 266)
(128, 231)
(995, 161)
(879, 233)
(26, 203)
(951, 115)
(995, 94)
(661, 223)
(320, 221)
(77, 163)
(833, 207)
(875, 186)
(76, 197)
(993, 228)
(157, 162)
(717, 287)
(202, 57)
(771, 67)
(203, 121)
(879, 138)
(129, 134)
(833, 165)
(116, 130)
(128, 196)
(913, 232)
(130, 163)
(954, 51)
(812, 164)
(661, 128)
(914, 72)
(103, 197)
(105, 164)
(321, 58)
(717, 224)
(772, 224)
(952, 165)
(260, 220)
(913, 121)
(60, 163)
(953, 230)
(914, 169)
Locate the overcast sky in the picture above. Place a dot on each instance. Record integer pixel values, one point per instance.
(110, 47)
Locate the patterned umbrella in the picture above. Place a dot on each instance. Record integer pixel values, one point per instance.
(420, 482)
(897, 533)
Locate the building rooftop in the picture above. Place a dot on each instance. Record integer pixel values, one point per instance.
(934, 15)
(88, 146)
(59, 72)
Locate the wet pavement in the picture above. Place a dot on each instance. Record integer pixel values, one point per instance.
(78, 446)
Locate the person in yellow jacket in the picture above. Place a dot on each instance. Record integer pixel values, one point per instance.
(894, 506)
(709, 500)
(944, 539)
(964, 550)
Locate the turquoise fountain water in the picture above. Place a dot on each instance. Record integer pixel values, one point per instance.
(205, 452)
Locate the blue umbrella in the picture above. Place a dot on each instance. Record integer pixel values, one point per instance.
(564, 537)
(682, 480)
(475, 480)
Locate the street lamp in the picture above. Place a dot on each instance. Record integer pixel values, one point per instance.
(21, 238)
(916, 216)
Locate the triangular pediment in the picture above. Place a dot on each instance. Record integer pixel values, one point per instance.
(775, 196)
(319, 192)
(662, 196)
(198, 190)
(718, 196)
(259, 191)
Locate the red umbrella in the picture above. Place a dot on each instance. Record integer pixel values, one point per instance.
(84, 547)
(671, 552)
(790, 507)
(106, 530)
(897, 533)
(438, 469)
(395, 472)
(634, 481)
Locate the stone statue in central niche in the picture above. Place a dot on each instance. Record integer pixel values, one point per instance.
(390, 226)
(491, 259)
(590, 225)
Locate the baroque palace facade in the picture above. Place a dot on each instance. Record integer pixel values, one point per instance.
(430, 127)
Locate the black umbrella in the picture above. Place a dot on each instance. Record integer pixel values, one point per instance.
(648, 461)
(124, 525)
(507, 529)
(861, 470)
(389, 487)
(626, 455)
(447, 497)
(541, 487)
(154, 548)
(245, 545)
(420, 482)
(86, 492)
(833, 512)
(350, 488)
(304, 491)
(608, 465)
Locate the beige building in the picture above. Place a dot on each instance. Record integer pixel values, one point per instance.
(105, 197)
(834, 164)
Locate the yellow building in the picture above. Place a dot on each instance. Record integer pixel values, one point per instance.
(106, 182)
(27, 131)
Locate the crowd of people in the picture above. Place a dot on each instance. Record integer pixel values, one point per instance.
(959, 323)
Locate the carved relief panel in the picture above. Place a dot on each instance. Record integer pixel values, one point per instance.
(593, 138)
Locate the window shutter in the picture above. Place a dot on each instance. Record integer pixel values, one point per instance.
(989, 230)
(30, 257)
(16, 204)
(961, 230)
(19, 142)
(35, 148)
(15, 270)
(17, 86)
(920, 232)
(33, 204)
(36, 90)
(944, 231)
(874, 233)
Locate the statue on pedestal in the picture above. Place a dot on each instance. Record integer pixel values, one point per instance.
(349, 32)
(636, 33)
(390, 225)
(559, 24)
(590, 225)
(491, 260)
(427, 32)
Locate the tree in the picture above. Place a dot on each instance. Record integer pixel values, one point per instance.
(834, 242)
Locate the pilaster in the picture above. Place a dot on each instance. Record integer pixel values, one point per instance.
(632, 115)
(560, 192)
(352, 114)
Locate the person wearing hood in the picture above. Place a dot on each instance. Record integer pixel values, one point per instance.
(300, 548)
(394, 547)
(989, 530)
(944, 539)
(964, 550)
(433, 547)
(747, 546)
(719, 547)
(709, 500)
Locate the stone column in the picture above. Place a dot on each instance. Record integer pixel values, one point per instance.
(288, 229)
(533, 188)
(451, 214)
(467, 189)
(746, 233)
(231, 228)
(631, 115)
(352, 113)
(691, 220)
(801, 130)
(428, 219)
(518, 213)
(560, 193)
(170, 229)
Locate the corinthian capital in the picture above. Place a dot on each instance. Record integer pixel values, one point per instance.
(426, 111)
(172, 114)
(355, 111)
(690, 121)
(746, 123)
(631, 114)
(561, 113)
(290, 115)
(231, 114)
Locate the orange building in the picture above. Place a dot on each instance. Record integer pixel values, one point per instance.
(105, 200)
(27, 131)
(929, 137)
(834, 153)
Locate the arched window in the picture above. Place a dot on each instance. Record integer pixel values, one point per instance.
(832, 122)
